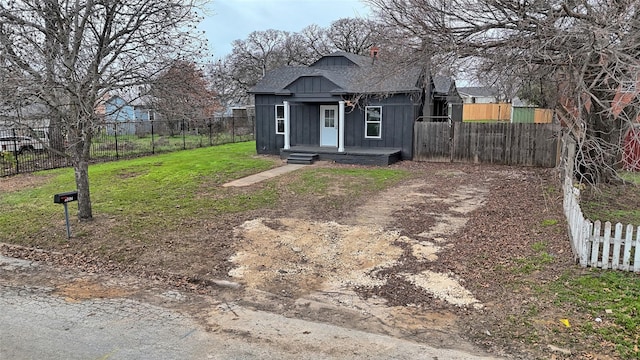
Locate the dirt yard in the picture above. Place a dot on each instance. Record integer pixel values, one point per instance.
(448, 257)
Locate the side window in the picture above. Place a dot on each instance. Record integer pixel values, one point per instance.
(279, 119)
(373, 122)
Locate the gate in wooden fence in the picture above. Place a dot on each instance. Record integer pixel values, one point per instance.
(493, 143)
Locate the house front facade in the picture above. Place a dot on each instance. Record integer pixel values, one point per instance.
(342, 104)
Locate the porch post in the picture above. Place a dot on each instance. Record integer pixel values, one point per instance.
(341, 127)
(287, 143)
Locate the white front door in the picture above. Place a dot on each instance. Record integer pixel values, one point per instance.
(328, 125)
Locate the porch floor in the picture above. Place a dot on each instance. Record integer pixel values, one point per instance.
(351, 155)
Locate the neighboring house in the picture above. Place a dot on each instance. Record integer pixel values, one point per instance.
(30, 124)
(346, 108)
(127, 117)
(119, 116)
(478, 95)
(34, 115)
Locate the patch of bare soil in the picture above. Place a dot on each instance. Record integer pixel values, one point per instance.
(20, 182)
(439, 258)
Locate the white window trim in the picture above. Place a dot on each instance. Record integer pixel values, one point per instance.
(279, 119)
(366, 122)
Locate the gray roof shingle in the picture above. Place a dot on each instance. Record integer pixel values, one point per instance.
(367, 77)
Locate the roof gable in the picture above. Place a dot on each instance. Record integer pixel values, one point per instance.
(341, 59)
(312, 84)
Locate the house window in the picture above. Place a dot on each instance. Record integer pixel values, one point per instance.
(373, 122)
(329, 118)
(279, 119)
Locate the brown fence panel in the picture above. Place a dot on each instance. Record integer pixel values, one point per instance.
(432, 141)
(486, 112)
(491, 143)
(543, 116)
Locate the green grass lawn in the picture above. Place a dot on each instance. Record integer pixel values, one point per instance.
(608, 303)
(614, 203)
(162, 189)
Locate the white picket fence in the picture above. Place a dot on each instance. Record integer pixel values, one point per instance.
(596, 246)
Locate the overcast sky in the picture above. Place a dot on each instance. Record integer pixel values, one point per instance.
(229, 20)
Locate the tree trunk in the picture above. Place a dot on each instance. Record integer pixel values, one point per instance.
(81, 168)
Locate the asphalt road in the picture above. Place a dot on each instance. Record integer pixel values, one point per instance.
(35, 323)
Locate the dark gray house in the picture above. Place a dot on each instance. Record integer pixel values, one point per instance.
(348, 108)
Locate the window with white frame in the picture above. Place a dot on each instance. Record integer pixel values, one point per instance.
(279, 119)
(373, 122)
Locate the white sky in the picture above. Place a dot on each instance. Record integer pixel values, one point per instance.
(229, 20)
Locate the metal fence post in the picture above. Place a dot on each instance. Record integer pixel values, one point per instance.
(184, 140)
(153, 143)
(210, 133)
(15, 150)
(115, 132)
(233, 129)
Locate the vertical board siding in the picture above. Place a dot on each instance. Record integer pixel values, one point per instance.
(398, 114)
(493, 143)
(311, 85)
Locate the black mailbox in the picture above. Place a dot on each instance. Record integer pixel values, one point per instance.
(66, 197)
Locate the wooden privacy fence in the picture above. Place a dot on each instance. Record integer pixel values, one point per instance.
(531, 115)
(486, 112)
(493, 143)
(505, 112)
(614, 247)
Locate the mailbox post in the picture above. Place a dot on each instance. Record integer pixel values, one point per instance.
(64, 198)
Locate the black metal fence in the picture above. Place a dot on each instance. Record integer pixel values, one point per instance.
(23, 151)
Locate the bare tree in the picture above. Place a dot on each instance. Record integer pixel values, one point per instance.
(262, 51)
(353, 35)
(181, 96)
(221, 79)
(589, 50)
(250, 59)
(69, 54)
(315, 40)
